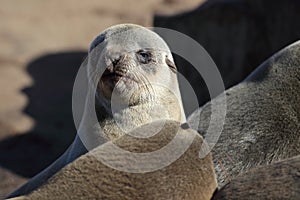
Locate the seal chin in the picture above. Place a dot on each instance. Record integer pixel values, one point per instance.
(125, 91)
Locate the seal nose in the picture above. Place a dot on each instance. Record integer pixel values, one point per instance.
(118, 60)
(115, 63)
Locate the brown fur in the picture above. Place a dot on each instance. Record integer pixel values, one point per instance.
(280, 180)
(262, 119)
(189, 177)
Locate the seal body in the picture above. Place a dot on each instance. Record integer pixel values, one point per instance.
(132, 81)
(189, 177)
(262, 119)
(280, 180)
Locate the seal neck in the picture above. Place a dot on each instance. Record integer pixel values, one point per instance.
(99, 124)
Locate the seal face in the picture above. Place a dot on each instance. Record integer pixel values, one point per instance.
(135, 78)
(130, 70)
(138, 78)
(133, 66)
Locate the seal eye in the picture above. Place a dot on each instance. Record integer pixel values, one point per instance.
(144, 56)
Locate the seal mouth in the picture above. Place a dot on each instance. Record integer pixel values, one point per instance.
(118, 73)
(115, 75)
(127, 83)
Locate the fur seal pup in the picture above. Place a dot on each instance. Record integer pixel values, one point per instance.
(138, 76)
(262, 120)
(280, 180)
(189, 177)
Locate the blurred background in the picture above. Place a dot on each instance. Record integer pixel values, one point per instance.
(42, 44)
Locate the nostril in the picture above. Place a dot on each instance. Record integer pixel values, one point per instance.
(123, 57)
(115, 61)
(119, 59)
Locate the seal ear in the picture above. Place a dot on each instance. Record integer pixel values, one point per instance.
(171, 65)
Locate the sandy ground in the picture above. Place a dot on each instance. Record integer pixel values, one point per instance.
(35, 36)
